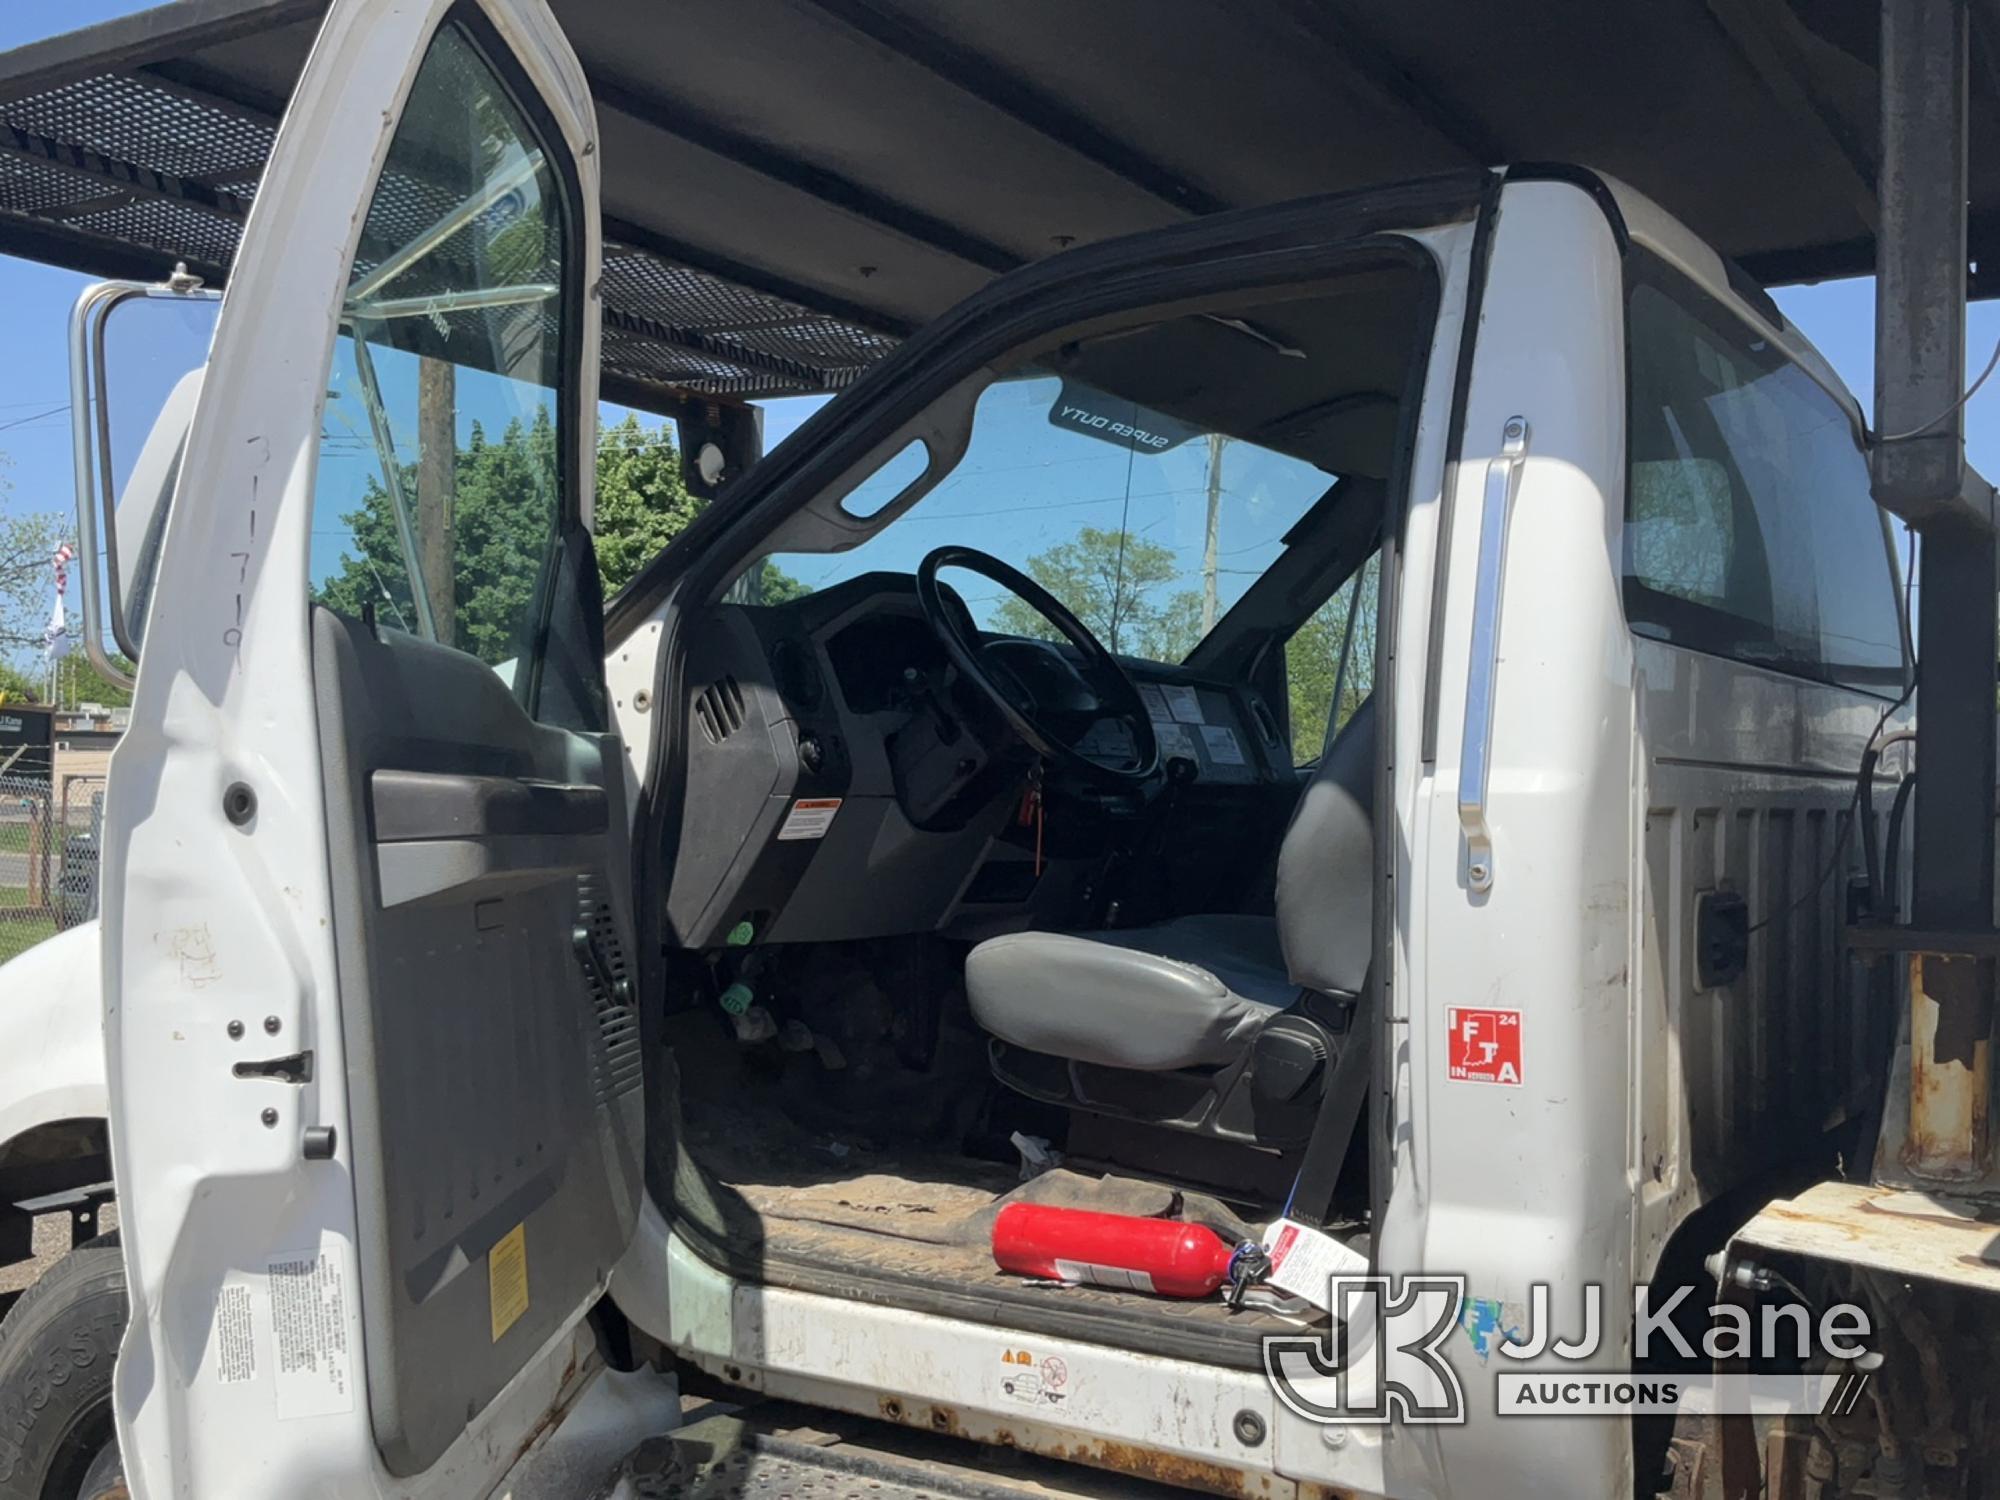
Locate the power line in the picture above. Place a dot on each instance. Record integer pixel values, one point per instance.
(23, 421)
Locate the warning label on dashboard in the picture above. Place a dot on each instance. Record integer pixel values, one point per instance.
(809, 818)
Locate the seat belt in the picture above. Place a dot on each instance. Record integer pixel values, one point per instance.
(1340, 1106)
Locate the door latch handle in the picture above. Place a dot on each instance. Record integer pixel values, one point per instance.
(591, 956)
(1503, 479)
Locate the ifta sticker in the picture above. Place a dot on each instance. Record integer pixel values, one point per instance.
(1485, 1046)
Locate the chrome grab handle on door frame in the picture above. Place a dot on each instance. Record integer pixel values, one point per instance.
(1503, 478)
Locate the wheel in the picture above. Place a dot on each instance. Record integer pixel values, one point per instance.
(106, 1479)
(57, 1348)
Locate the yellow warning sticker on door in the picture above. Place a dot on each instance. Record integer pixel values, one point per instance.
(507, 1279)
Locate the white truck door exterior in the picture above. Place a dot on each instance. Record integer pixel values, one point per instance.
(374, 1071)
(1518, 1173)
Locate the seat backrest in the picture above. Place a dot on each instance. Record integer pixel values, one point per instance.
(1326, 886)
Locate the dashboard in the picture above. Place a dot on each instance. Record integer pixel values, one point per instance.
(838, 788)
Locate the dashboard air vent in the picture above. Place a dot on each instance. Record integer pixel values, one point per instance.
(719, 710)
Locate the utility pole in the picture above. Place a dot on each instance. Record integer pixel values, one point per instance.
(437, 491)
(1216, 441)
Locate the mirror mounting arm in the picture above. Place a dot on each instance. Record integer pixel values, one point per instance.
(84, 318)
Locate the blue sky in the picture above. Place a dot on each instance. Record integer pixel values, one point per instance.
(34, 420)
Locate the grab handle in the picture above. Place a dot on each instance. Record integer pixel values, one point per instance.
(1503, 478)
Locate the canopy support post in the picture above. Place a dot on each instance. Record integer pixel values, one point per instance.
(1919, 472)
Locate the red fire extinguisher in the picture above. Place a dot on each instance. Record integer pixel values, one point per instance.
(1116, 1250)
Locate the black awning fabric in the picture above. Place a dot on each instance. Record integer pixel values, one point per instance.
(792, 185)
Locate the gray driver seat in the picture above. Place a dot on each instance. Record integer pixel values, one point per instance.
(1195, 993)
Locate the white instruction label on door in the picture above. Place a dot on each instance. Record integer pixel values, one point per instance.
(235, 1334)
(288, 1325)
(310, 1354)
(809, 818)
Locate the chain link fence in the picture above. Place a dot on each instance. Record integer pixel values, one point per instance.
(50, 833)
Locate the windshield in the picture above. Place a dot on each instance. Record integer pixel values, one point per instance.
(1148, 528)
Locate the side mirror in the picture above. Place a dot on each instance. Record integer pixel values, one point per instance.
(137, 354)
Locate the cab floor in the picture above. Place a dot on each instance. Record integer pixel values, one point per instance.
(885, 1207)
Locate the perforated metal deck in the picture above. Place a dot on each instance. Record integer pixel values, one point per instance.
(136, 170)
(780, 1452)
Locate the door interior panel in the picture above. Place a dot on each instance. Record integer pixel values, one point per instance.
(491, 1037)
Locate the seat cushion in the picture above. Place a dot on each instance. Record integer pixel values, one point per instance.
(1188, 993)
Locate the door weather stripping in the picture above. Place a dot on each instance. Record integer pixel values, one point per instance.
(1503, 478)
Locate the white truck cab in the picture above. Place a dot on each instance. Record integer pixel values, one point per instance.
(495, 986)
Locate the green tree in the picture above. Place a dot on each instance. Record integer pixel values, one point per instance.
(77, 681)
(27, 575)
(775, 586)
(80, 682)
(27, 585)
(17, 686)
(1312, 662)
(501, 512)
(642, 501)
(1110, 581)
(500, 502)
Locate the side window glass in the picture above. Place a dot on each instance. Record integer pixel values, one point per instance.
(1749, 528)
(441, 485)
(1330, 663)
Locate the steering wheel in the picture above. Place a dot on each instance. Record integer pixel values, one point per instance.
(1044, 697)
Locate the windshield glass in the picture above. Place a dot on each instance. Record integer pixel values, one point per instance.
(1147, 527)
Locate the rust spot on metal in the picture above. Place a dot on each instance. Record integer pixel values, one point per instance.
(567, 1393)
(1948, 1221)
(1167, 1468)
(945, 1419)
(1951, 1022)
(1124, 1458)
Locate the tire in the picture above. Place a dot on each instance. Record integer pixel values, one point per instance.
(57, 1349)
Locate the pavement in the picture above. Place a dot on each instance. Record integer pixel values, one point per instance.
(51, 1245)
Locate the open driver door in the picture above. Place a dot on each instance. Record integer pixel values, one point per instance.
(374, 1063)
